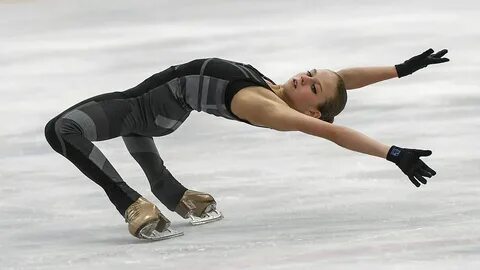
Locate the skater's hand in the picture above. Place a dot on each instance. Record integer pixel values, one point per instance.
(420, 61)
(408, 160)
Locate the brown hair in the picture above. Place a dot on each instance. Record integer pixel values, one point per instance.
(335, 105)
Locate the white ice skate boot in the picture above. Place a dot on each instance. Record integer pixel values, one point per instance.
(146, 222)
(199, 207)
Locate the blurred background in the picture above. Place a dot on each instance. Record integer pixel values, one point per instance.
(290, 200)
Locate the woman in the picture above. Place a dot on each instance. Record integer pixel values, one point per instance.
(228, 89)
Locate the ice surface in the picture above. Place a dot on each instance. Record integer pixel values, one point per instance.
(291, 201)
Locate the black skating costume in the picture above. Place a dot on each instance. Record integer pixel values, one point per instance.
(156, 107)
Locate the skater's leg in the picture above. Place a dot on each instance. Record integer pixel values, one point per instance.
(165, 187)
(186, 203)
(72, 132)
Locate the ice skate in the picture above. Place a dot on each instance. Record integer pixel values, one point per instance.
(145, 221)
(199, 207)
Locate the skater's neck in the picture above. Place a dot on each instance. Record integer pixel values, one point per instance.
(279, 90)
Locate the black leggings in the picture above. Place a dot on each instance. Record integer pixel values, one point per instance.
(103, 117)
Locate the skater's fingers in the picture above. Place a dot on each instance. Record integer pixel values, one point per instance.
(426, 53)
(439, 54)
(414, 181)
(430, 170)
(438, 60)
(423, 153)
(420, 178)
(424, 172)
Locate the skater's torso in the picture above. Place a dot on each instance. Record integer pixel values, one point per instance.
(162, 102)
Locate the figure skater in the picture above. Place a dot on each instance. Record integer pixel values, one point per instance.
(307, 102)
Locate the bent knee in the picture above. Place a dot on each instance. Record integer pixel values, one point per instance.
(51, 135)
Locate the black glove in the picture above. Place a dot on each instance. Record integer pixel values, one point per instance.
(408, 160)
(420, 61)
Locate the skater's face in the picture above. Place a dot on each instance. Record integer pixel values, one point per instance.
(310, 89)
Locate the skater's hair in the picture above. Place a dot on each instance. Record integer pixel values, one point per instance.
(335, 105)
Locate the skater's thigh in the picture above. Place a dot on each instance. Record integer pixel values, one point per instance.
(95, 120)
(97, 98)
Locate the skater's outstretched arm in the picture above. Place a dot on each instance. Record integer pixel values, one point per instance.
(283, 118)
(358, 77)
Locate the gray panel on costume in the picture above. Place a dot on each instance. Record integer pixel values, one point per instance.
(225, 113)
(220, 100)
(112, 173)
(246, 71)
(97, 157)
(207, 93)
(191, 91)
(164, 103)
(140, 144)
(202, 87)
(212, 91)
(239, 68)
(204, 65)
(252, 73)
(180, 121)
(168, 112)
(165, 122)
(97, 114)
(213, 95)
(85, 122)
(206, 81)
(175, 88)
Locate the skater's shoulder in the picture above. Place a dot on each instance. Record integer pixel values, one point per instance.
(255, 103)
(254, 95)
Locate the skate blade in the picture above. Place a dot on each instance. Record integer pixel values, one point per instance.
(149, 232)
(209, 217)
(163, 235)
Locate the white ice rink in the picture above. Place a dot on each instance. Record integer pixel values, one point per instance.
(290, 200)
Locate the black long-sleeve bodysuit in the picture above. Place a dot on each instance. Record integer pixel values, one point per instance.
(155, 107)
